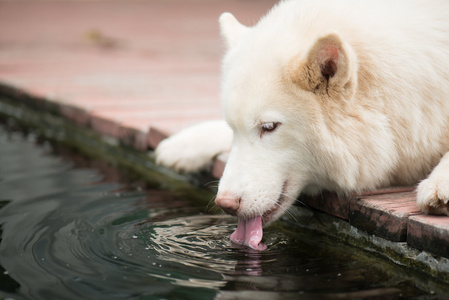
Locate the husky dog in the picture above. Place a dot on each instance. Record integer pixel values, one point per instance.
(321, 94)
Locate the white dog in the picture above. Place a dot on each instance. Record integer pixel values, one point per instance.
(337, 95)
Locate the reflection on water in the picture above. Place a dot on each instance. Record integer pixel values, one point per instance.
(70, 232)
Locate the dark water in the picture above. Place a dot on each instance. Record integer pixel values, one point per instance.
(71, 232)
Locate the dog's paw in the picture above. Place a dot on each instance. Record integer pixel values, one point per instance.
(433, 195)
(195, 148)
(183, 154)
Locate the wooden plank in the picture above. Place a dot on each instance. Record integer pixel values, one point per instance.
(385, 215)
(429, 233)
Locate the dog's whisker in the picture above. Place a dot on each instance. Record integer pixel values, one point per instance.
(298, 201)
(211, 204)
(213, 184)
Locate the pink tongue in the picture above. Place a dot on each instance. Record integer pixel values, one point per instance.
(249, 232)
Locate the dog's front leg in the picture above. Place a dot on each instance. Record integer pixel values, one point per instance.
(433, 192)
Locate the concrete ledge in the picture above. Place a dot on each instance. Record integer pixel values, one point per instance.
(133, 138)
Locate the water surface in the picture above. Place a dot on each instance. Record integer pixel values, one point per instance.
(71, 228)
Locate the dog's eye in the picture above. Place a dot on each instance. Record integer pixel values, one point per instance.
(269, 127)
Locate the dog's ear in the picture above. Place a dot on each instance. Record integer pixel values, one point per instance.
(329, 68)
(232, 30)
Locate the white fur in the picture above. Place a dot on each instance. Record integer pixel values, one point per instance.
(380, 118)
(195, 147)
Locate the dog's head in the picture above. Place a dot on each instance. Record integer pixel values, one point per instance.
(285, 95)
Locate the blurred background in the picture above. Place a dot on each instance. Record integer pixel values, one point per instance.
(137, 64)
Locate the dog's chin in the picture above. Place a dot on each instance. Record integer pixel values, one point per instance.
(277, 210)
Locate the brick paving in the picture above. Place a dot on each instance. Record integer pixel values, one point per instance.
(140, 71)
